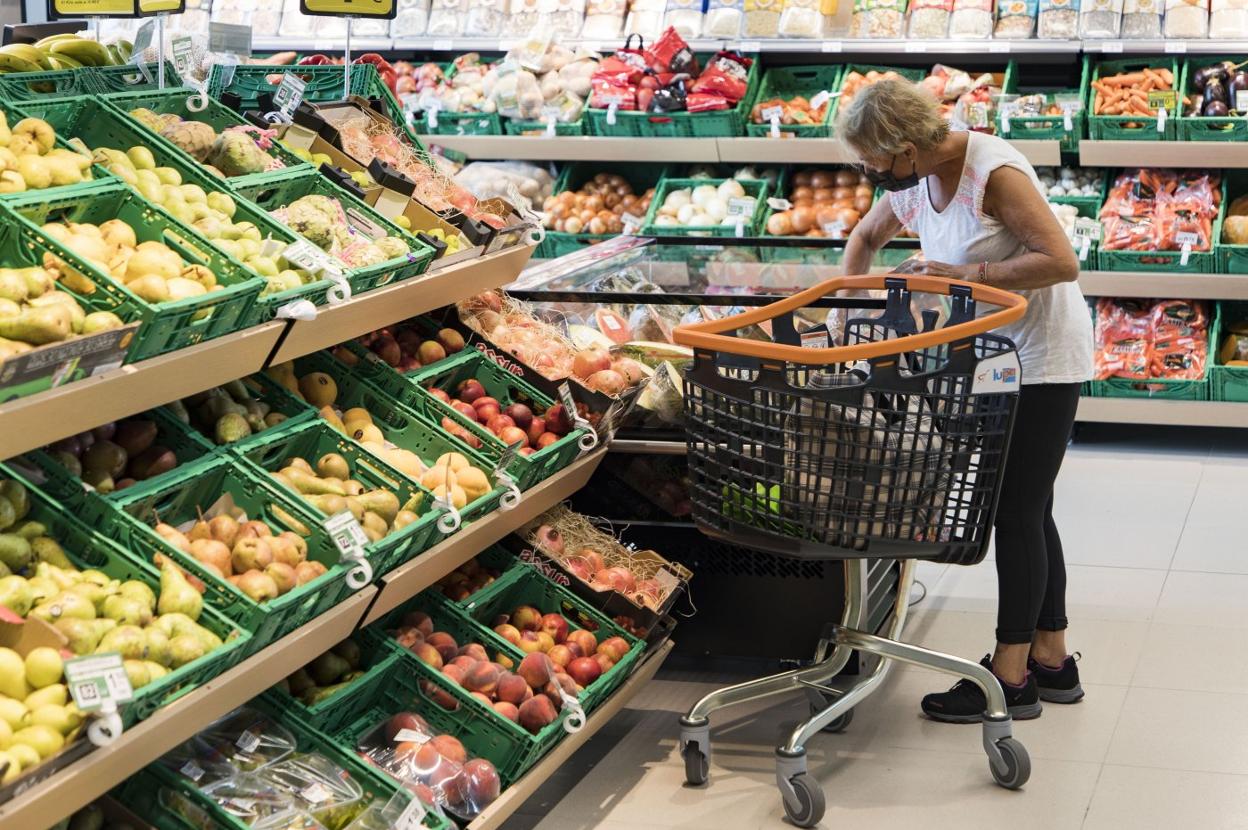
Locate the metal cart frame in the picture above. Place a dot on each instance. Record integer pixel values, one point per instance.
(833, 699)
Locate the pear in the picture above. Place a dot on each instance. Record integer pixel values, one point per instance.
(15, 552)
(11, 766)
(12, 674)
(55, 695)
(174, 537)
(155, 671)
(185, 648)
(157, 646)
(30, 530)
(16, 494)
(382, 502)
(127, 640)
(64, 605)
(64, 719)
(200, 530)
(42, 588)
(141, 591)
(14, 713)
(97, 595)
(328, 668)
(127, 610)
(62, 577)
(42, 739)
(176, 594)
(16, 595)
(44, 667)
(138, 673)
(49, 550)
(300, 681)
(84, 635)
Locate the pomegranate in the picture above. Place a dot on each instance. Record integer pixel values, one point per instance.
(549, 540)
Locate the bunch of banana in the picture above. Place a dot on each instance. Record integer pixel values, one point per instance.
(63, 51)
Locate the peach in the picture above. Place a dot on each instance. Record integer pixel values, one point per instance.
(513, 435)
(406, 720)
(455, 673)
(465, 662)
(487, 413)
(481, 782)
(420, 620)
(486, 401)
(428, 655)
(508, 710)
(545, 440)
(526, 618)
(482, 677)
(504, 661)
(483, 699)
(409, 638)
(511, 689)
(508, 632)
(535, 669)
(556, 626)
(547, 642)
(587, 642)
(465, 409)
(445, 644)
(605, 662)
(469, 390)
(450, 748)
(530, 642)
(561, 656)
(535, 429)
(440, 394)
(537, 714)
(474, 650)
(584, 670)
(430, 352)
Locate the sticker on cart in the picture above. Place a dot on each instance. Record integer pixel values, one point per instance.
(815, 339)
(97, 679)
(1001, 373)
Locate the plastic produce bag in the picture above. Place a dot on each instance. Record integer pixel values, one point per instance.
(971, 19)
(243, 741)
(488, 179)
(685, 17)
(250, 799)
(516, 93)
(317, 785)
(289, 821)
(485, 17)
(877, 19)
(410, 18)
(801, 18)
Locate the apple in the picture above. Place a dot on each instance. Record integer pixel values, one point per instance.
(469, 390)
(499, 423)
(520, 414)
(512, 435)
(487, 401)
(430, 352)
(584, 670)
(558, 419)
(526, 618)
(546, 439)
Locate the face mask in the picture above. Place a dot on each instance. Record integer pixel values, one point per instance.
(888, 181)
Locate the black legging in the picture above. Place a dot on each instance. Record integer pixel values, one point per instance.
(1031, 573)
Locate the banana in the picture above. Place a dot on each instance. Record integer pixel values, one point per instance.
(63, 61)
(23, 51)
(124, 50)
(12, 63)
(40, 44)
(86, 52)
(114, 57)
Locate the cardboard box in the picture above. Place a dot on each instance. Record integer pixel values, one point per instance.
(56, 364)
(516, 230)
(423, 219)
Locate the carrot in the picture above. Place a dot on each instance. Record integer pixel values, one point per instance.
(1126, 79)
(1166, 75)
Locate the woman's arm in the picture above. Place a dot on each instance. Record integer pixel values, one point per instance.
(874, 231)
(1050, 258)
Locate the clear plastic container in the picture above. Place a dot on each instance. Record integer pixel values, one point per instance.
(801, 18)
(1141, 19)
(1016, 19)
(762, 18)
(929, 19)
(1100, 19)
(971, 19)
(1058, 20)
(1187, 20)
(241, 742)
(878, 19)
(1228, 19)
(724, 18)
(603, 19)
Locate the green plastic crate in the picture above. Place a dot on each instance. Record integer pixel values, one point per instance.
(402, 426)
(99, 125)
(168, 326)
(1117, 127)
(1227, 383)
(527, 587)
(330, 714)
(914, 75)
(495, 558)
(1087, 205)
(789, 81)
(108, 79)
(171, 801)
(1198, 262)
(187, 445)
(270, 450)
(280, 189)
(412, 391)
(1232, 259)
(484, 732)
(262, 388)
(756, 188)
(1045, 127)
(518, 126)
(87, 549)
(24, 86)
(215, 114)
(715, 124)
(179, 501)
(1199, 127)
(323, 84)
(1165, 389)
(785, 254)
(640, 175)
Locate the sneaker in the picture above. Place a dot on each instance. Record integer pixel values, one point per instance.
(965, 702)
(1059, 685)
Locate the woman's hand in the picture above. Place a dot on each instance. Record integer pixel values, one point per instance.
(937, 269)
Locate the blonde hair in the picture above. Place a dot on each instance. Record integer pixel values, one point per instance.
(887, 115)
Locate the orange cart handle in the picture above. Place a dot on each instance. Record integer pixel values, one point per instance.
(709, 335)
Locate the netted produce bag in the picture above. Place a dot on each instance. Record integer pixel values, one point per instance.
(241, 742)
(604, 19)
(1228, 19)
(516, 93)
(724, 18)
(1187, 19)
(801, 18)
(490, 179)
(1016, 19)
(411, 18)
(929, 19)
(971, 19)
(1141, 18)
(436, 767)
(1100, 18)
(1057, 19)
(878, 19)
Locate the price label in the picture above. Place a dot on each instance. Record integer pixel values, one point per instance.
(248, 741)
(303, 254)
(349, 8)
(359, 223)
(192, 771)
(346, 534)
(565, 397)
(1162, 99)
(741, 206)
(999, 46)
(915, 47)
(1176, 47)
(113, 8)
(751, 46)
(443, 45)
(1112, 47)
(631, 222)
(1187, 238)
(836, 229)
(507, 456)
(821, 97)
(1241, 101)
(289, 93)
(779, 204)
(98, 678)
(1086, 228)
(412, 817)
(229, 38)
(183, 55)
(143, 41)
(404, 736)
(832, 46)
(316, 793)
(772, 112)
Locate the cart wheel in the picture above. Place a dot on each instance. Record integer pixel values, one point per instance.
(1017, 762)
(837, 726)
(697, 767)
(810, 803)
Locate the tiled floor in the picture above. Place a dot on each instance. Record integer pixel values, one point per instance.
(1153, 528)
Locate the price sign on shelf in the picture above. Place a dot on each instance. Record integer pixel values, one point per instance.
(565, 397)
(346, 534)
(384, 9)
(229, 38)
(1187, 238)
(741, 206)
(1241, 101)
(507, 456)
(1086, 228)
(95, 679)
(183, 55)
(289, 93)
(1162, 99)
(58, 9)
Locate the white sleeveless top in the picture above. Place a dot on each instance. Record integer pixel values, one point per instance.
(1054, 338)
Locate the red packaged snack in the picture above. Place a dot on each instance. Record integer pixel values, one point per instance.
(670, 53)
(603, 94)
(726, 75)
(704, 102)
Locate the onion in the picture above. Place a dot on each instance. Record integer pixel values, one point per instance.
(717, 209)
(631, 370)
(607, 381)
(702, 194)
(779, 224)
(686, 213)
(803, 219)
(549, 539)
(590, 361)
(578, 567)
(593, 558)
(731, 189)
(650, 588)
(619, 578)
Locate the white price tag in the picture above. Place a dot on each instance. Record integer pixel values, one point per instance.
(1187, 238)
(192, 771)
(95, 679)
(1005, 123)
(404, 736)
(820, 98)
(836, 229)
(1086, 228)
(632, 222)
(316, 793)
(751, 46)
(289, 93)
(183, 55)
(412, 817)
(775, 126)
(741, 206)
(1241, 101)
(1187, 253)
(1112, 47)
(779, 204)
(1068, 122)
(248, 741)
(1176, 47)
(229, 39)
(772, 113)
(443, 45)
(999, 46)
(346, 534)
(832, 46)
(303, 254)
(915, 46)
(1161, 120)
(611, 111)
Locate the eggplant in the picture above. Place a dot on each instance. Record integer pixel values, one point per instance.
(1215, 91)
(1205, 74)
(1215, 109)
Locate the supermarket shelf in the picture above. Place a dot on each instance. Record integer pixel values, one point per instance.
(642, 447)
(411, 578)
(1163, 154)
(47, 803)
(38, 419)
(732, 150)
(1164, 284)
(1163, 412)
(514, 796)
(792, 45)
(388, 305)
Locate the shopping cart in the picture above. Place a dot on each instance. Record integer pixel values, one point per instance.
(889, 446)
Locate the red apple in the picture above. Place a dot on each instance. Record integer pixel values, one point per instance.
(465, 409)
(512, 435)
(584, 670)
(469, 390)
(546, 439)
(520, 414)
(535, 428)
(558, 420)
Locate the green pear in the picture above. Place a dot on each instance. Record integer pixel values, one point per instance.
(63, 719)
(16, 494)
(127, 640)
(49, 550)
(12, 674)
(157, 646)
(11, 766)
(16, 595)
(15, 552)
(42, 588)
(29, 529)
(63, 605)
(327, 668)
(97, 595)
(155, 670)
(44, 667)
(100, 578)
(141, 591)
(137, 671)
(300, 681)
(185, 648)
(176, 594)
(26, 756)
(14, 713)
(55, 695)
(84, 635)
(127, 610)
(64, 578)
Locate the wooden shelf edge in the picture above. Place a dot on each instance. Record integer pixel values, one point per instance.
(1211, 154)
(78, 784)
(412, 577)
(514, 796)
(384, 306)
(1160, 412)
(48, 416)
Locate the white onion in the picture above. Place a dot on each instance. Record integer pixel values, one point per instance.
(665, 221)
(685, 214)
(677, 199)
(731, 189)
(717, 209)
(699, 220)
(703, 193)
